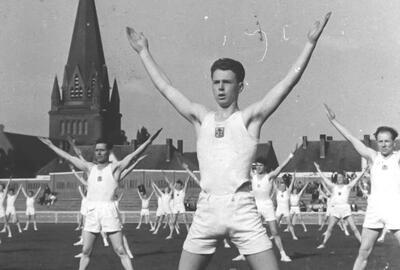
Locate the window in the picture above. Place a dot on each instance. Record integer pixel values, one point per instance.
(80, 127)
(85, 127)
(62, 127)
(76, 91)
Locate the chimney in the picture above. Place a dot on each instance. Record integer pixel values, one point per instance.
(322, 146)
(169, 149)
(305, 142)
(180, 146)
(367, 140)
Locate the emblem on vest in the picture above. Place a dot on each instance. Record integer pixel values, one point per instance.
(219, 132)
(99, 178)
(384, 167)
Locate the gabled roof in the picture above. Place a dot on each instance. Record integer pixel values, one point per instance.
(26, 155)
(339, 155)
(266, 151)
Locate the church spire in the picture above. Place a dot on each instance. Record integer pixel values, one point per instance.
(86, 49)
(55, 95)
(114, 103)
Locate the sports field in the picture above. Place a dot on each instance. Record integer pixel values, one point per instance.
(51, 248)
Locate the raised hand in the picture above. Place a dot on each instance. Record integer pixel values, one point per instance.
(316, 166)
(331, 115)
(137, 41)
(46, 141)
(316, 31)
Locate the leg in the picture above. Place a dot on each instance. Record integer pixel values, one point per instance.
(381, 238)
(104, 237)
(278, 241)
(17, 222)
(332, 222)
(368, 239)
(323, 223)
(27, 223)
(259, 260)
(185, 220)
(126, 246)
(353, 227)
(117, 243)
(290, 226)
(302, 221)
(140, 222)
(172, 224)
(34, 222)
(193, 261)
(88, 243)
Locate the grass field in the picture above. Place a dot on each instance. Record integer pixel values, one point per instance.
(51, 248)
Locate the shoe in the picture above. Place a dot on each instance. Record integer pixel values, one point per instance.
(25, 229)
(78, 255)
(286, 230)
(346, 233)
(79, 243)
(169, 237)
(381, 240)
(9, 236)
(321, 246)
(35, 229)
(285, 258)
(226, 245)
(3, 230)
(137, 227)
(177, 229)
(240, 257)
(295, 238)
(106, 243)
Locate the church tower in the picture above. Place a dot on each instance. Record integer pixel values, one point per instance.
(84, 108)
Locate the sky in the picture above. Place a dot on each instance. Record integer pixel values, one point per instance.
(354, 68)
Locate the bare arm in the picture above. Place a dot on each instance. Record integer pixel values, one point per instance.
(81, 179)
(364, 191)
(24, 192)
(274, 174)
(7, 186)
(120, 196)
(139, 194)
(124, 163)
(171, 185)
(260, 111)
(81, 192)
(355, 180)
(156, 188)
(77, 151)
(324, 179)
(37, 192)
(197, 180)
(151, 195)
(82, 165)
(131, 167)
(18, 190)
(292, 183)
(360, 147)
(303, 189)
(193, 112)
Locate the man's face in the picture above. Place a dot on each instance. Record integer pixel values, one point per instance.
(225, 87)
(385, 143)
(258, 167)
(101, 153)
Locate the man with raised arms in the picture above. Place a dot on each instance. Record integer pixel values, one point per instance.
(103, 179)
(384, 199)
(226, 145)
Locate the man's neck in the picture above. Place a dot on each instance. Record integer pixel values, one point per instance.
(102, 165)
(224, 113)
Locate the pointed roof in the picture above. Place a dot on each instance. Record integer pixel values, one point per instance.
(86, 49)
(55, 94)
(114, 103)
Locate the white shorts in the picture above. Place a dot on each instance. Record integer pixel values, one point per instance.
(266, 210)
(179, 208)
(145, 212)
(30, 211)
(166, 209)
(159, 212)
(102, 216)
(232, 216)
(282, 210)
(380, 217)
(294, 210)
(2, 212)
(11, 211)
(341, 210)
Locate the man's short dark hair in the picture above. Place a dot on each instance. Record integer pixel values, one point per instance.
(229, 64)
(391, 130)
(261, 160)
(179, 182)
(104, 141)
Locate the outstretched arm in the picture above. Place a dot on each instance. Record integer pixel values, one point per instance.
(81, 192)
(82, 165)
(18, 191)
(274, 174)
(292, 183)
(325, 180)
(186, 167)
(360, 147)
(193, 112)
(37, 192)
(151, 195)
(355, 180)
(364, 191)
(124, 163)
(120, 196)
(156, 188)
(7, 186)
(140, 196)
(128, 170)
(260, 111)
(81, 179)
(171, 185)
(325, 195)
(24, 192)
(77, 151)
(303, 189)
